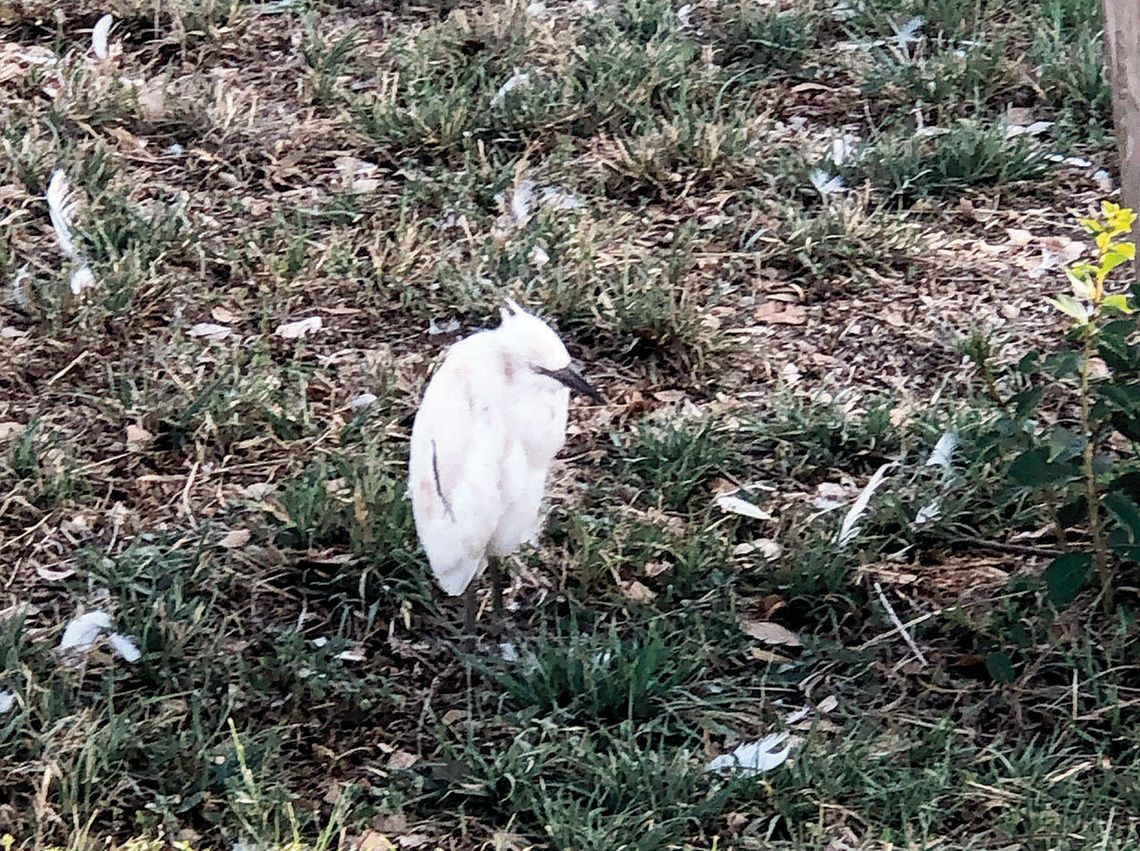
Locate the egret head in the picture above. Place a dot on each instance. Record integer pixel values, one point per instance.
(534, 351)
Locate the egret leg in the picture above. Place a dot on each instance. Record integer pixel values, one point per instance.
(495, 571)
(469, 607)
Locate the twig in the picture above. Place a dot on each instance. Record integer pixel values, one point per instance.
(1001, 546)
(899, 627)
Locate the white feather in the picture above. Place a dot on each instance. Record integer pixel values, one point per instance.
(824, 183)
(943, 453)
(851, 528)
(482, 443)
(7, 701)
(928, 513)
(125, 646)
(82, 279)
(519, 78)
(100, 34)
(83, 631)
(757, 757)
(61, 208)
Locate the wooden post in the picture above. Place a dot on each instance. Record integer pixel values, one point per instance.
(1122, 61)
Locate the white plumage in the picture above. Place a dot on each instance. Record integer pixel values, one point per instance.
(491, 421)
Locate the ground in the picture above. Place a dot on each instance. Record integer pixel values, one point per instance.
(776, 233)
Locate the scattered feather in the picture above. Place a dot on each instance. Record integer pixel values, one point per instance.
(21, 294)
(82, 279)
(61, 209)
(826, 184)
(843, 148)
(928, 513)
(558, 198)
(7, 701)
(124, 646)
(448, 327)
(1104, 182)
(209, 330)
(1069, 162)
(685, 16)
(83, 631)
(943, 453)
(300, 328)
(1034, 129)
(732, 504)
(757, 757)
(908, 33)
(363, 400)
(539, 257)
(99, 36)
(174, 150)
(508, 652)
(851, 528)
(519, 78)
(537, 10)
(845, 10)
(351, 656)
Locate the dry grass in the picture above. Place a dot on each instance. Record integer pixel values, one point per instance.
(647, 187)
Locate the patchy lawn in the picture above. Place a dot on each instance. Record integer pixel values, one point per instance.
(792, 241)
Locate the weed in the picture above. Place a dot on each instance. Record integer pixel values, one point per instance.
(908, 167)
(672, 461)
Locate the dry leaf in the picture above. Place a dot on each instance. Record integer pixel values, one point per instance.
(775, 313)
(401, 760)
(234, 539)
(225, 316)
(138, 438)
(636, 592)
(762, 655)
(300, 328)
(374, 841)
(770, 633)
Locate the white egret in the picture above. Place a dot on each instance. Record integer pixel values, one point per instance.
(490, 423)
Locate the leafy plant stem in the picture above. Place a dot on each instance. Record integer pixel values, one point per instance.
(1092, 492)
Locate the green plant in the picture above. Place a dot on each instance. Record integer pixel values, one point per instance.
(1085, 465)
(911, 166)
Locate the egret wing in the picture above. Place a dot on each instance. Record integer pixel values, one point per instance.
(459, 467)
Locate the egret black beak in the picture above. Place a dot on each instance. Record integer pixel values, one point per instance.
(573, 379)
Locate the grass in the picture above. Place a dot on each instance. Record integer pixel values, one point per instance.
(234, 499)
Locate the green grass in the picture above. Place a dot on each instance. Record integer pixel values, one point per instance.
(647, 189)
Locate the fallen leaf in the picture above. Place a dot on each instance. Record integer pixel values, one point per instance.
(762, 655)
(225, 315)
(138, 438)
(300, 328)
(373, 841)
(234, 539)
(770, 633)
(777, 313)
(401, 760)
(636, 592)
(1017, 236)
